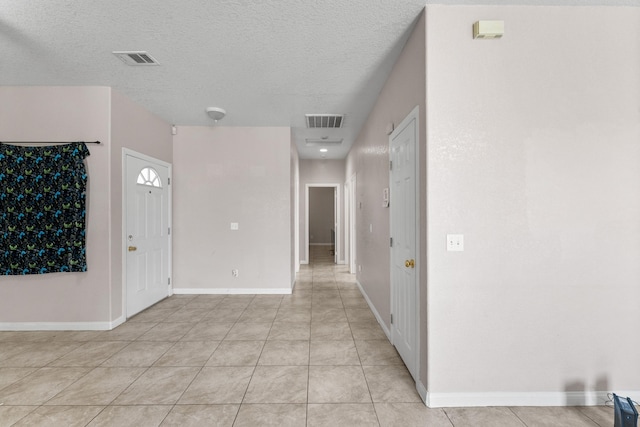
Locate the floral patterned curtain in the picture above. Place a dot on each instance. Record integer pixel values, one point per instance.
(42, 208)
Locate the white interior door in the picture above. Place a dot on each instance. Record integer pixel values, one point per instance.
(403, 202)
(147, 229)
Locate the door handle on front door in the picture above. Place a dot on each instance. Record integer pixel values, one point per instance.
(410, 263)
(132, 248)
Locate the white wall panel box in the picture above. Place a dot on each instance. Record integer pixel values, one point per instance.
(488, 29)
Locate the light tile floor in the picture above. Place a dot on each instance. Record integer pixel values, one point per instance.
(313, 358)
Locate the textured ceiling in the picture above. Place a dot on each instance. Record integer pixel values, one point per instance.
(267, 62)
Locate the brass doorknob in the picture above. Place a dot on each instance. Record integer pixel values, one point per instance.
(410, 263)
(132, 248)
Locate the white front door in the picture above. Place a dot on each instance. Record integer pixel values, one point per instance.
(146, 242)
(404, 254)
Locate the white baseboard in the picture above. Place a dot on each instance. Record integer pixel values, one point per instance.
(578, 398)
(232, 291)
(386, 330)
(422, 391)
(61, 326)
(304, 261)
(119, 321)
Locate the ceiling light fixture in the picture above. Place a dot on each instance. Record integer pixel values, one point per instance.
(323, 150)
(315, 142)
(216, 113)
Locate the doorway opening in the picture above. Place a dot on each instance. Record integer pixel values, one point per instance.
(322, 220)
(146, 219)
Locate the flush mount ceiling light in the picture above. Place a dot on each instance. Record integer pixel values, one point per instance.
(322, 142)
(323, 150)
(216, 113)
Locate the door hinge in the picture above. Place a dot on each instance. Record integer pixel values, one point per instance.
(169, 230)
(168, 181)
(392, 318)
(168, 280)
(390, 242)
(390, 165)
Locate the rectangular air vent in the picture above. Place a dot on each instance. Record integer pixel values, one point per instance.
(315, 142)
(136, 58)
(331, 121)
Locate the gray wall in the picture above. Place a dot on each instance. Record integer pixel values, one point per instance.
(321, 214)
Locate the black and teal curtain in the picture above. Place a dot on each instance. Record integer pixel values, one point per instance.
(42, 207)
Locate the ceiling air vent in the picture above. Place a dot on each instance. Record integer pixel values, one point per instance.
(330, 121)
(136, 58)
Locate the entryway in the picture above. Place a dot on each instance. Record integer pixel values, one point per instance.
(147, 228)
(322, 222)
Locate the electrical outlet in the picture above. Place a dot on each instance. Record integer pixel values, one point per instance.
(455, 242)
(234, 272)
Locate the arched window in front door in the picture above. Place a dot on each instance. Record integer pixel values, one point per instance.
(149, 176)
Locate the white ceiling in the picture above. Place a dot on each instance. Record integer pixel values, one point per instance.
(267, 62)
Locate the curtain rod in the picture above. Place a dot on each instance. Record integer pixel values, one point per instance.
(47, 142)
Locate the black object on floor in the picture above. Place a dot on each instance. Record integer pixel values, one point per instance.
(626, 414)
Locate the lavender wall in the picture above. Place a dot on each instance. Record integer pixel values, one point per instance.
(76, 300)
(533, 155)
(369, 159)
(91, 300)
(225, 175)
(294, 195)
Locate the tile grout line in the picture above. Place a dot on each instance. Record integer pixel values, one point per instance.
(516, 415)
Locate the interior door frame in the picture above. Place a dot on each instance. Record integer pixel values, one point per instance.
(296, 220)
(347, 223)
(350, 223)
(413, 115)
(129, 152)
(336, 208)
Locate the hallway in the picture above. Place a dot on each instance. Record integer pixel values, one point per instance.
(314, 358)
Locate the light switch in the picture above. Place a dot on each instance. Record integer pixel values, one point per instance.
(455, 242)
(234, 225)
